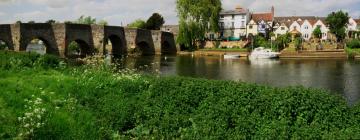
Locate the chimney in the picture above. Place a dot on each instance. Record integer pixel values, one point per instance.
(273, 10)
(238, 8)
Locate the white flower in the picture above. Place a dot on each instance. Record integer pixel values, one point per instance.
(26, 125)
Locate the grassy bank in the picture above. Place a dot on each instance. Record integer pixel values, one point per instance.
(352, 52)
(41, 98)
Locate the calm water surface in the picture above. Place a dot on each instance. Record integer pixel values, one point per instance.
(336, 75)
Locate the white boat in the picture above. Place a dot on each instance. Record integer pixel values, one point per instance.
(262, 53)
(231, 56)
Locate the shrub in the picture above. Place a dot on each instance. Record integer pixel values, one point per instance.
(355, 43)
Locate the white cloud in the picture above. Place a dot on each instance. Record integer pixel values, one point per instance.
(126, 11)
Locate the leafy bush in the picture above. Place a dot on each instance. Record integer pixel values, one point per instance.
(90, 103)
(355, 43)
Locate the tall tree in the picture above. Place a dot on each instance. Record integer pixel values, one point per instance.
(337, 22)
(317, 32)
(155, 22)
(196, 17)
(139, 23)
(31, 21)
(86, 20)
(18, 22)
(50, 21)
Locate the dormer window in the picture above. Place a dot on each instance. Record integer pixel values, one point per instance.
(233, 16)
(306, 27)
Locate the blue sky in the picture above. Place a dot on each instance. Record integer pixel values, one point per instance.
(122, 12)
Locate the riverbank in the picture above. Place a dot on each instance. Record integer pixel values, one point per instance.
(43, 98)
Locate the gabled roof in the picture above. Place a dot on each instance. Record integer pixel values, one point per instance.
(262, 16)
(357, 21)
(312, 21)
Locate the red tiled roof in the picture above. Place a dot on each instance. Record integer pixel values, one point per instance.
(262, 16)
(312, 22)
(357, 21)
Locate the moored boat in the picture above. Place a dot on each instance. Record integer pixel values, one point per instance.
(262, 53)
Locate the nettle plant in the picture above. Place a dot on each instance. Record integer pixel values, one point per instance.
(33, 118)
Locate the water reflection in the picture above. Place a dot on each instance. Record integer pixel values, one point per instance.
(336, 75)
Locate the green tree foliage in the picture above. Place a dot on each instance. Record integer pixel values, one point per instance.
(18, 22)
(155, 22)
(139, 23)
(298, 42)
(31, 21)
(260, 41)
(337, 22)
(86, 20)
(283, 40)
(353, 44)
(317, 32)
(103, 22)
(50, 21)
(196, 17)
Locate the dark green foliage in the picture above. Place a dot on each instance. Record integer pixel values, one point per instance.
(15, 60)
(282, 41)
(50, 21)
(317, 32)
(195, 19)
(337, 22)
(155, 22)
(86, 103)
(353, 44)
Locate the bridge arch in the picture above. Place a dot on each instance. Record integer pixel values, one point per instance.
(5, 45)
(78, 48)
(144, 48)
(114, 45)
(167, 48)
(29, 44)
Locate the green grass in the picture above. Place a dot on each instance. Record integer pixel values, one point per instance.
(352, 52)
(98, 103)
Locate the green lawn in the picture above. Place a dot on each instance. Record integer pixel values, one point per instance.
(55, 101)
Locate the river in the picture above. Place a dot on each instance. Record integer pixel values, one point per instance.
(339, 76)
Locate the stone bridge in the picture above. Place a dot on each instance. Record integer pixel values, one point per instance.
(92, 39)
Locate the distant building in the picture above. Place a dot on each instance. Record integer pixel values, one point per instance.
(264, 21)
(233, 22)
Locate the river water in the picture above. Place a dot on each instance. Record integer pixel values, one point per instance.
(338, 76)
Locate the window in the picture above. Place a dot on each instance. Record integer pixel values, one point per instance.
(222, 25)
(242, 23)
(233, 16)
(222, 16)
(318, 26)
(282, 28)
(232, 25)
(263, 26)
(306, 36)
(250, 26)
(306, 27)
(243, 17)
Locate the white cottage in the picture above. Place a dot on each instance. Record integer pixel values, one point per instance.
(281, 29)
(323, 27)
(306, 30)
(252, 28)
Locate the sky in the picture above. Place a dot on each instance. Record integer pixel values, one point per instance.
(122, 12)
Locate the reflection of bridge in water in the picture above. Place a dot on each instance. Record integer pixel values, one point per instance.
(92, 39)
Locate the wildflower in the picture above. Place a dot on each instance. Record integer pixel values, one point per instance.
(26, 125)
